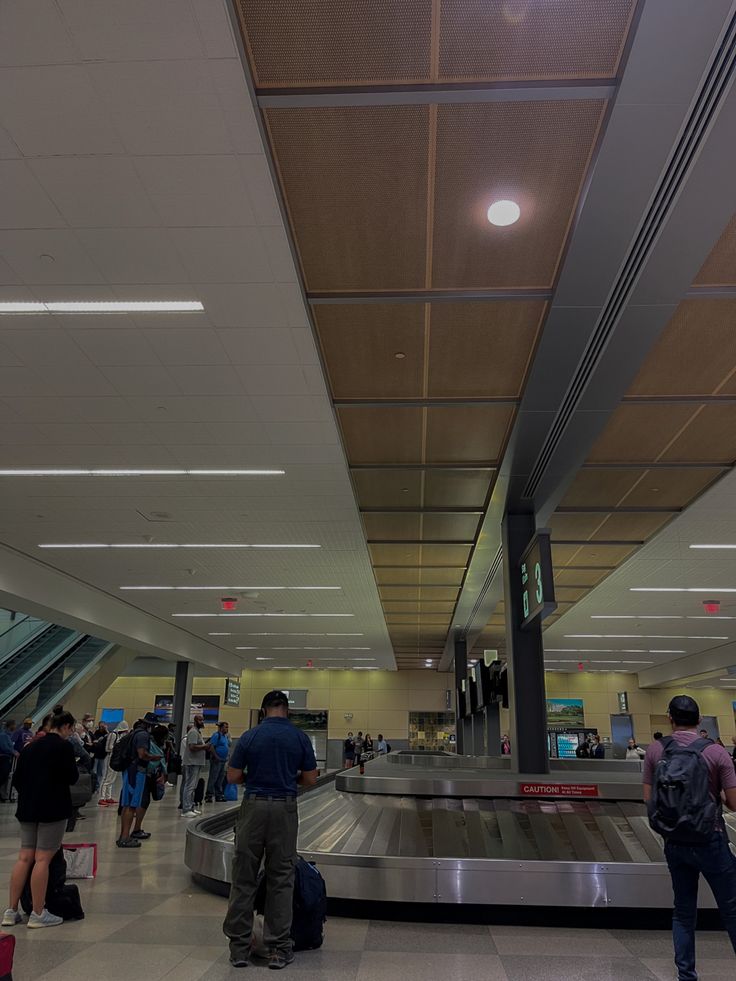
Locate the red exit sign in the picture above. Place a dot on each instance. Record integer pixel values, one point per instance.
(558, 789)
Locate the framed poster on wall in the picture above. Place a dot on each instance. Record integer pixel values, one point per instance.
(567, 712)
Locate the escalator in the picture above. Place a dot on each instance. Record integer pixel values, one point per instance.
(40, 663)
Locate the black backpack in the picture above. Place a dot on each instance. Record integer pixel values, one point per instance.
(309, 907)
(682, 807)
(121, 756)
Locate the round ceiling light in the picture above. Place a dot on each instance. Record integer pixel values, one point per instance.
(504, 213)
(399, 355)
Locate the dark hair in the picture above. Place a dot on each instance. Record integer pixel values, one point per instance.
(380, 736)
(274, 699)
(221, 724)
(684, 710)
(657, 735)
(45, 721)
(61, 719)
(160, 733)
(57, 709)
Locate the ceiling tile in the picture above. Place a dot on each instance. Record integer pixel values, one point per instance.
(21, 43)
(167, 408)
(24, 203)
(279, 253)
(173, 131)
(48, 256)
(261, 190)
(483, 427)
(378, 434)
(274, 380)
(186, 347)
(196, 190)
(298, 408)
(142, 380)
(101, 32)
(134, 255)
(44, 346)
(115, 347)
(95, 192)
(260, 346)
(206, 379)
(223, 255)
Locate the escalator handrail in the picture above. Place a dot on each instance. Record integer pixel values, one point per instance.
(42, 628)
(71, 682)
(13, 693)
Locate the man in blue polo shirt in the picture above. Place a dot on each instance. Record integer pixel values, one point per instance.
(271, 760)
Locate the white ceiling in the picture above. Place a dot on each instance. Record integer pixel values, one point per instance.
(132, 167)
(666, 561)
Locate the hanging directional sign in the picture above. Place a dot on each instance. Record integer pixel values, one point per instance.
(537, 580)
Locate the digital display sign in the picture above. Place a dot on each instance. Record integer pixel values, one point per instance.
(232, 692)
(537, 580)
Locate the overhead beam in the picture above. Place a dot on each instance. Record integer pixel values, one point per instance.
(436, 94)
(716, 659)
(40, 590)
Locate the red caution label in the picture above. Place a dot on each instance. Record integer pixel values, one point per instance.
(558, 790)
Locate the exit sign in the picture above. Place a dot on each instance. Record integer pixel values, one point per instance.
(537, 580)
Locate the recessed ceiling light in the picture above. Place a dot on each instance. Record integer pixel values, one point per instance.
(503, 213)
(224, 588)
(166, 545)
(399, 355)
(103, 306)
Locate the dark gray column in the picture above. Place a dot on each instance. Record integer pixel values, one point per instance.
(525, 655)
(493, 729)
(461, 675)
(479, 734)
(183, 682)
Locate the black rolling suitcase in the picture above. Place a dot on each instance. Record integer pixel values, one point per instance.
(199, 791)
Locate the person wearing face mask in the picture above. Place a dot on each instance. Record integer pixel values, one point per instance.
(44, 773)
(193, 761)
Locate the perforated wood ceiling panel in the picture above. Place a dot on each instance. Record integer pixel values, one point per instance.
(534, 153)
(451, 527)
(640, 432)
(347, 42)
(517, 39)
(667, 487)
(355, 181)
(377, 488)
(481, 349)
(328, 42)
(709, 437)
(439, 434)
(695, 354)
(719, 269)
(447, 350)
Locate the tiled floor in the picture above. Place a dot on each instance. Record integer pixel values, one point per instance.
(145, 919)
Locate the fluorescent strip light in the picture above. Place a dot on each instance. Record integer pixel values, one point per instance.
(103, 306)
(165, 545)
(22, 307)
(711, 617)
(223, 589)
(634, 616)
(269, 634)
(713, 546)
(642, 636)
(682, 589)
(246, 648)
(202, 615)
(141, 472)
(264, 659)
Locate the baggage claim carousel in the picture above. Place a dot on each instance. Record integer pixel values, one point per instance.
(444, 829)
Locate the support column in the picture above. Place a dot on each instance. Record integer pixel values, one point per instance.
(183, 682)
(525, 656)
(493, 729)
(479, 734)
(461, 675)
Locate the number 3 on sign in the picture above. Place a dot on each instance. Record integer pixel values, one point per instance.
(538, 582)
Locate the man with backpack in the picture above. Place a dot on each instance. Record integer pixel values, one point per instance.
(271, 760)
(131, 752)
(220, 751)
(685, 779)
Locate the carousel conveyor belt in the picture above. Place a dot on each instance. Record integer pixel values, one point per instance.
(465, 849)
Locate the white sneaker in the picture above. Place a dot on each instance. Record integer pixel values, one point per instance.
(189, 814)
(196, 810)
(44, 919)
(11, 917)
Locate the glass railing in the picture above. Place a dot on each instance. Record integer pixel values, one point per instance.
(59, 678)
(35, 657)
(15, 633)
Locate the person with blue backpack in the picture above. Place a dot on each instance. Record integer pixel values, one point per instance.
(220, 744)
(686, 779)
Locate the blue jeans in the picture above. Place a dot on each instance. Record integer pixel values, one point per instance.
(216, 782)
(686, 862)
